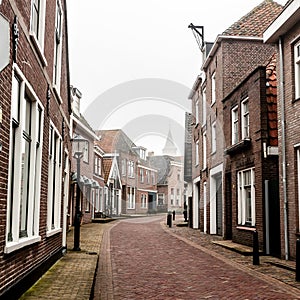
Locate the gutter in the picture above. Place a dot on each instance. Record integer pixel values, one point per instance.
(283, 149)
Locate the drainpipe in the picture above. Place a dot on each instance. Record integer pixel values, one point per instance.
(283, 146)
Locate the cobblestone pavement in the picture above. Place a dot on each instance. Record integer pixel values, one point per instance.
(144, 259)
(72, 276)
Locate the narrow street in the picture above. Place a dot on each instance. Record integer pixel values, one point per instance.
(141, 260)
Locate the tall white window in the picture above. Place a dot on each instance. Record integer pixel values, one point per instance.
(297, 70)
(123, 167)
(245, 119)
(98, 163)
(85, 154)
(147, 176)
(131, 168)
(204, 107)
(246, 197)
(131, 197)
(37, 26)
(197, 153)
(160, 199)
(57, 47)
(204, 151)
(213, 138)
(54, 180)
(144, 201)
(197, 111)
(24, 166)
(178, 197)
(141, 175)
(213, 88)
(172, 196)
(234, 125)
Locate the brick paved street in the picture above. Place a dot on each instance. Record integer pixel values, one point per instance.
(143, 259)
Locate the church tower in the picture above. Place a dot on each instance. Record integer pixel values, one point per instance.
(170, 148)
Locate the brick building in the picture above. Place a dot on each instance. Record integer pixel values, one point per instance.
(285, 33)
(88, 186)
(251, 168)
(170, 182)
(138, 179)
(36, 150)
(235, 54)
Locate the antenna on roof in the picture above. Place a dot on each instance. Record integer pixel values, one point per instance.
(198, 32)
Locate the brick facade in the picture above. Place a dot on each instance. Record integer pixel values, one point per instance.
(22, 266)
(285, 33)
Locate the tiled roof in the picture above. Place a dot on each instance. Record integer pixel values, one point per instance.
(107, 163)
(271, 93)
(256, 21)
(114, 140)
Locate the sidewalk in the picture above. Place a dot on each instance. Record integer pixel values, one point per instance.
(72, 276)
(274, 268)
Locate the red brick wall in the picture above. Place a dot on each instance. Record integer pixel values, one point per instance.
(292, 113)
(15, 265)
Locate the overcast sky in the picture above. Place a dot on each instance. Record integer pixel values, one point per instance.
(115, 42)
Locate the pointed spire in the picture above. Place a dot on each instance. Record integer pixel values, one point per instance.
(170, 147)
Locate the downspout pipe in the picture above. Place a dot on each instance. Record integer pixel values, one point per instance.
(283, 149)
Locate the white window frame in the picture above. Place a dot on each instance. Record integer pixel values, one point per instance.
(297, 70)
(172, 196)
(22, 94)
(98, 162)
(37, 29)
(54, 181)
(57, 57)
(197, 111)
(160, 195)
(213, 137)
(123, 167)
(234, 125)
(213, 88)
(197, 153)
(131, 168)
(143, 201)
(178, 196)
(131, 197)
(243, 204)
(204, 150)
(142, 175)
(204, 107)
(245, 119)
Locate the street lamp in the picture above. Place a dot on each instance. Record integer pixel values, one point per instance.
(78, 148)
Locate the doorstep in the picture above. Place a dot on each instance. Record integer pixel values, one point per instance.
(242, 249)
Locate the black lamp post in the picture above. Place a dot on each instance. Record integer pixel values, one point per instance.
(78, 147)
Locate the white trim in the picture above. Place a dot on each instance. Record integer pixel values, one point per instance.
(86, 129)
(288, 17)
(145, 190)
(213, 201)
(13, 246)
(196, 203)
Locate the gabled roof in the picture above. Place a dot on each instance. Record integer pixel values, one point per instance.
(256, 21)
(284, 22)
(114, 140)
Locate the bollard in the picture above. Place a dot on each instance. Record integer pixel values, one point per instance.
(298, 260)
(169, 219)
(173, 215)
(255, 248)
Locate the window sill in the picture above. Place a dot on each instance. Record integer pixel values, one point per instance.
(38, 48)
(53, 232)
(239, 146)
(13, 246)
(246, 228)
